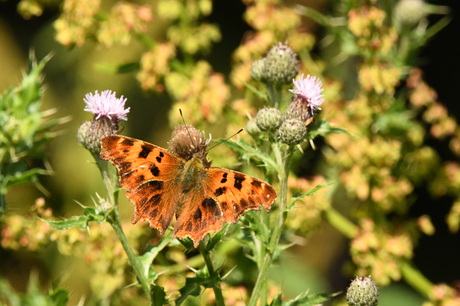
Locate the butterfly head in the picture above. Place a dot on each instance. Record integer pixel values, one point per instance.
(189, 142)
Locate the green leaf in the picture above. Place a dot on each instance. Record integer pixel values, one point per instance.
(216, 238)
(89, 214)
(147, 258)
(159, 296)
(259, 93)
(192, 287)
(306, 194)
(80, 221)
(304, 299)
(59, 296)
(246, 150)
(324, 128)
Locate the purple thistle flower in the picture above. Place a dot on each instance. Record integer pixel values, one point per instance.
(309, 90)
(106, 104)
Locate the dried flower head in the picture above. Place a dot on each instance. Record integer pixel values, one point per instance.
(106, 104)
(188, 142)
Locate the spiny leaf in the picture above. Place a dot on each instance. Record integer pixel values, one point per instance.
(244, 148)
(89, 214)
(192, 287)
(306, 194)
(159, 296)
(303, 299)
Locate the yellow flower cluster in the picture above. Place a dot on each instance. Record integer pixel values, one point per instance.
(379, 253)
(82, 20)
(202, 93)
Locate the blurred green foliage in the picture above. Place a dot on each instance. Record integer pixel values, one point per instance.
(25, 131)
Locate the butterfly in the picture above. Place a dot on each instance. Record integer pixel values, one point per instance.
(162, 183)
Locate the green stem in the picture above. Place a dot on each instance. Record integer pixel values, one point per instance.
(411, 275)
(258, 292)
(110, 178)
(416, 279)
(342, 224)
(2, 203)
(132, 257)
(274, 95)
(213, 275)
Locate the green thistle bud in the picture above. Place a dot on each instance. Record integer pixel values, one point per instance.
(252, 128)
(281, 65)
(362, 292)
(268, 119)
(410, 12)
(258, 69)
(292, 131)
(90, 133)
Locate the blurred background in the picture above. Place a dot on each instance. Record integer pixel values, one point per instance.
(74, 71)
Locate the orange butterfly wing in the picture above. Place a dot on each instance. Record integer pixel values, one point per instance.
(155, 182)
(148, 174)
(225, 195)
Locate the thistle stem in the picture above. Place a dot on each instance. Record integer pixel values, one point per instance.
(213, 275)
(132, 257)
(110, 178)
(284, 161)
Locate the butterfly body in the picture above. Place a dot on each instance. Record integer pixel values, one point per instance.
(162, 184)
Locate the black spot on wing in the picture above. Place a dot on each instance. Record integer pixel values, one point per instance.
(127, 142)
(151, 186)
(220, 191)
(149, 203)
(197, 216)
(239, 178)
(146, 149)
(124, 166)
(224, 178)
(155, 170)
(209, 204)
(256, 183)
(158, 158)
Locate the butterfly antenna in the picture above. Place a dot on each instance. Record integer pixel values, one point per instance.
(188, 131)
(226, 139)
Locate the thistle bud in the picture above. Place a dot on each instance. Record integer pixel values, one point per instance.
(268, 119)
(410, 12)
(258, 69)
(281, 65)
(90, 133)
(252, 128)
(292, 131)
(362, 292)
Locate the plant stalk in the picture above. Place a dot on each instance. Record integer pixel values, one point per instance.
(110, 178)
(214, 277)
(284, 161)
